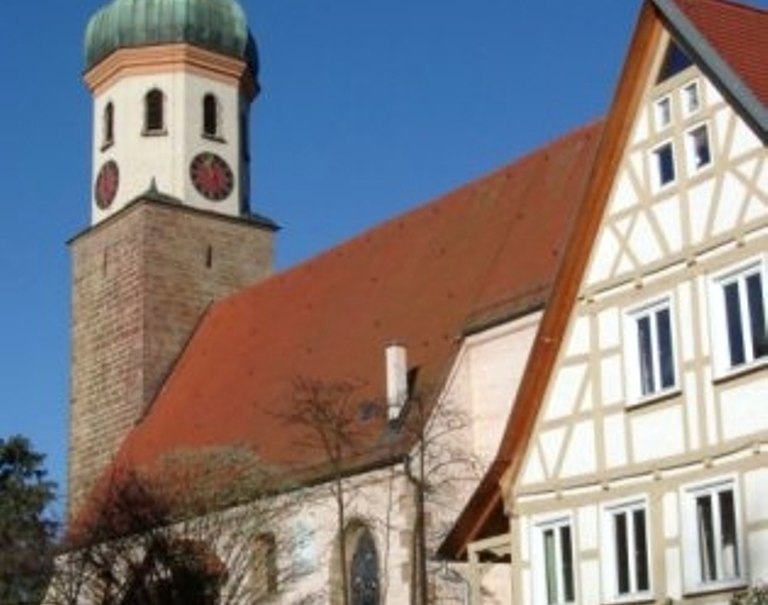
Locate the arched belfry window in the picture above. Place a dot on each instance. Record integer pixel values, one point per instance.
(364, 570)
(210, 115)
(154, 111)
(108, 125)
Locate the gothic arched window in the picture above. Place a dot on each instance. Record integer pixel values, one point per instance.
(154, 114)
(264, 572)
(364, 570)
(210, 115)
(109, 125)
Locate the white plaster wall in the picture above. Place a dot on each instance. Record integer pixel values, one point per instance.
(166, 157)
(658, 434)
(740, 416)
(645, 223)
(486, 377)
(380, 500)
(229, 118)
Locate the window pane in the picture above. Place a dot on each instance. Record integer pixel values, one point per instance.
(756, 303)
(364, 572)
(706, 538)
(641, 551)
(729, 548)
(666, 362)
(565, 544)
(699, 142)
(665, 164)
(691, 97)
(622, 552)
(550, 560)
(733, 323)
(645, 352)
(663, 112)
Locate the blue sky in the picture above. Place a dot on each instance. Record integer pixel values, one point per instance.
(368, 109)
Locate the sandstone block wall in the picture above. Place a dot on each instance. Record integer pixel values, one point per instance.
(141, 282)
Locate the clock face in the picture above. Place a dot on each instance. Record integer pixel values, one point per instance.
(211, 176)
(106, 185)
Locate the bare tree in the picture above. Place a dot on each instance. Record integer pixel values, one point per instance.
(325, 417)
(331, 420)
(200, 530)
(439, 467)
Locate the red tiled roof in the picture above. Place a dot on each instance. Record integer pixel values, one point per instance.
(472, 255)
(739, 34)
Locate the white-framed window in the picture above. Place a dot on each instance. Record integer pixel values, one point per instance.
(662, 112)
(624, 542)
(663, 165)
(739, 311)
(698, 149)
(553, 561)
(712, 544)
(691, 98)
(649, 350)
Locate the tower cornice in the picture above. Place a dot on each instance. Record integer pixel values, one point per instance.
(170, 58)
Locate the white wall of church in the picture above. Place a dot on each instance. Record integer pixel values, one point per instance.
(379, 500)
(477, 398)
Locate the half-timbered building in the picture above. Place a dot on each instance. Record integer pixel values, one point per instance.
(635, 463)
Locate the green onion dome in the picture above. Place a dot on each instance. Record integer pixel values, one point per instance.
(216, 25)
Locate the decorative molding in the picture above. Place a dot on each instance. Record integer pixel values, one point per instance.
(169, 58)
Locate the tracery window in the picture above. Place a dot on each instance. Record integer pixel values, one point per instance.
(264, 573)
(364, 570)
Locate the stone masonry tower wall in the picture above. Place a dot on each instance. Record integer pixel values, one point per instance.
(141, 282)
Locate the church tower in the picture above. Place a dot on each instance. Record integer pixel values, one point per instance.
(171, 227)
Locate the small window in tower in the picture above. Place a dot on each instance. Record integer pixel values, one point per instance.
(154, 114)
(109, 126)
(210, 116)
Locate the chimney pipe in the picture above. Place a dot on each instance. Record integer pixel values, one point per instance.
(397, 378)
